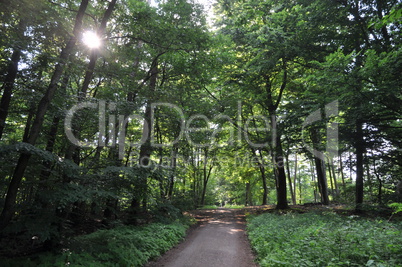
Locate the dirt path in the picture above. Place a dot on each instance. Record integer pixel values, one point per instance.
(219, 241)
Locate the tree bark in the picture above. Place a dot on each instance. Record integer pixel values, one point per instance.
(279, 168)
(359, 148)
(295, 177)
(206, 176)
(282, 201)
(173, 165)
(8, 89)
(320, 169)
(261, 167)
(146, 148)
(291, 189)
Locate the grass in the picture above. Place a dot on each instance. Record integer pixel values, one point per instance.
(324, 239)
(121, 246)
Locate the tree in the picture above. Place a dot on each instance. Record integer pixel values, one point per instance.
(43, 105)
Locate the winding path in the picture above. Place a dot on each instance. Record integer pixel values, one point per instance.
(219, 241)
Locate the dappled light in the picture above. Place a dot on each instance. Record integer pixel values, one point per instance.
(127, 126)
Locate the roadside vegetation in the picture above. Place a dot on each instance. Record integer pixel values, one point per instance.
(325, 238)
(124, 245)
(164, 110)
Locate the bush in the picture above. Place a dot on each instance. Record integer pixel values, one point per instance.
(121, 246)
(324, 240)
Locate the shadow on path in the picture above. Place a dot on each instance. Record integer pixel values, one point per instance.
(219, 241)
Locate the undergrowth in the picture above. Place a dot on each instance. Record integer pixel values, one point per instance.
(121, 246)
(326, 239)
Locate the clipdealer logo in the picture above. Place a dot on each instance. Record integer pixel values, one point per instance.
(112, 128)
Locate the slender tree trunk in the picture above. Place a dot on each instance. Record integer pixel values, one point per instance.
(292, 192)
(51, 137)
(295, 177)
(379, 195)
(261, 167)
(330, 179)
(173, 165)
(249, 198)
(359, 146)
(277, 150)
(73, 150)
(300, 188)
(206, 176)
(334, 177)
(8, 89)
(341, 170)
(313, 180)
(321, 172)
(264, 185)
(146, 148)
(282, 201)
(8, 209)
(45, 173)
(322, 180)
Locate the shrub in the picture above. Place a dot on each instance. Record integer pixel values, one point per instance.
(324, 240)
(121, 246)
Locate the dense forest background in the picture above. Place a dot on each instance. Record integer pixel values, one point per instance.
(274, 102)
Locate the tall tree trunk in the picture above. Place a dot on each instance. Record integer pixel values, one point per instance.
(206, 176)
(8, 88)
(146, 148)
(173, 165)
(320, 169)
(11, 75)
(341, 170)
(332, 167)
(249, 198)
(261, 167)
(330, 179)
(313, 180)
(51, 137)
(264, 185)
(300, 188)
(282, 201)
(73, 150)
(8, 209)
(379, 195)
(359, 147)
(292, 192)
(279, 166)
(295, 177)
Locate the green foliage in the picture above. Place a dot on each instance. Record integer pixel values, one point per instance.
(397, 207)
(165, 212)
(122, 246)
(324, 240)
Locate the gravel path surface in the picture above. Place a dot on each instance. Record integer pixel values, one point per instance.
(219, 241)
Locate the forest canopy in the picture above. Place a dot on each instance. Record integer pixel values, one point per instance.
(126, 110)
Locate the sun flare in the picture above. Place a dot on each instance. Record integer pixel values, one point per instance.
(91, 39)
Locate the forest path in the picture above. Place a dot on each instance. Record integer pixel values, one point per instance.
(220, 240)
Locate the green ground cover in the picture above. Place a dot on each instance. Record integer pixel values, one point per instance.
(121, 246)
(324, 239)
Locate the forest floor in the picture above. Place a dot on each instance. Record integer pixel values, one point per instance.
(219, 239)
